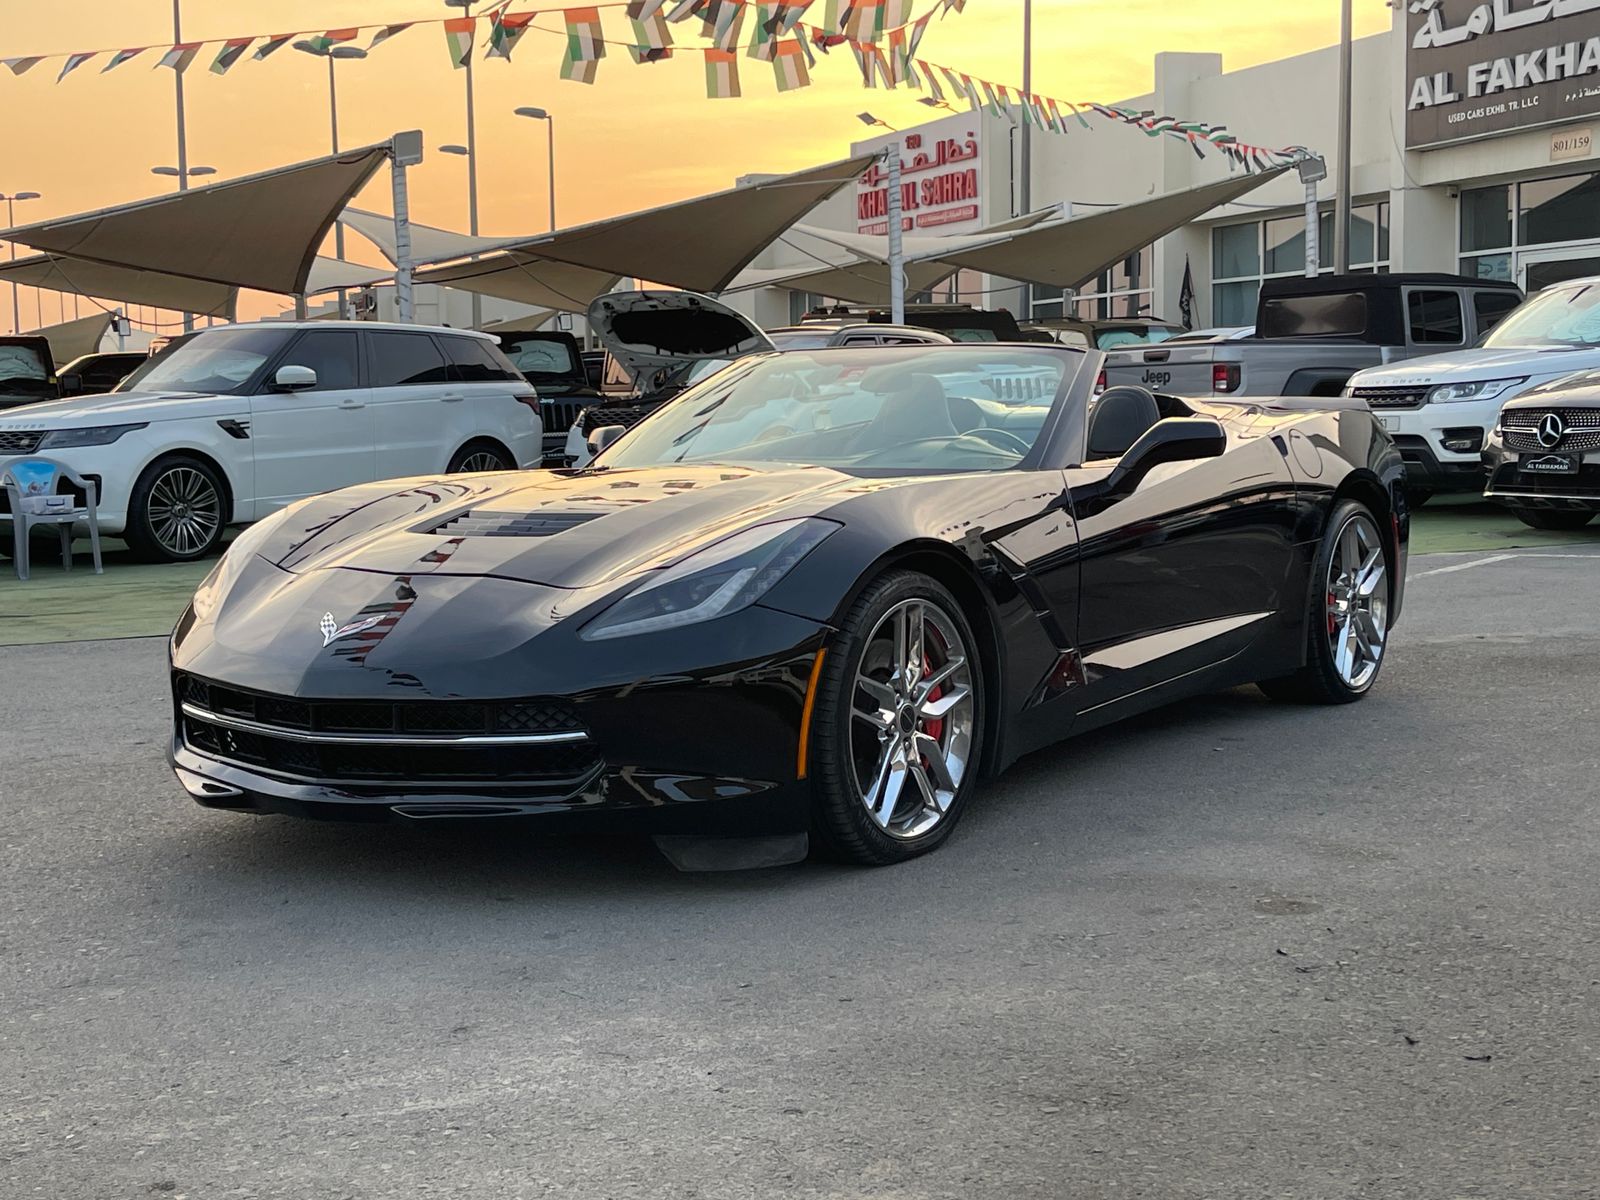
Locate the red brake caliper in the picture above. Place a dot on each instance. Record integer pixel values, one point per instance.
(934, 728)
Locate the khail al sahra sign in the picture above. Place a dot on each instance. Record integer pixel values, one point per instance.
(1476, 68)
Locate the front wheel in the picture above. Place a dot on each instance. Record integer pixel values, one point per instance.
(898, 724)
(177, 511)
(1348, 618)
(1553, 518)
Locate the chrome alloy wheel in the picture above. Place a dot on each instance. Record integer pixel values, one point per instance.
(1358, 602)
(912, 716)
(481, 460)
(184, 510)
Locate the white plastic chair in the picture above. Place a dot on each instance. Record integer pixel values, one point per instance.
(43, 476)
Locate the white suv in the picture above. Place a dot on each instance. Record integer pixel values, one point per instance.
(1442, 410)
(232, 423)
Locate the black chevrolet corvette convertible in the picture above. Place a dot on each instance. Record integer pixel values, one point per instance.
(816, 599)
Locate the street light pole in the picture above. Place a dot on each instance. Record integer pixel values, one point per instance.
(472, 154)
(11, 221)
(1025, 167)
(331, 53)
(539, 114)
(1341, 201)
(183, 133)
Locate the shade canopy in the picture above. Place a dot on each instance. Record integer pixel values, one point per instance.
(699, 244)
(329, 274)
(259, 231)
(526, 280)
(130, 285)
(72, 339)
(429, 243)
(1068, 254)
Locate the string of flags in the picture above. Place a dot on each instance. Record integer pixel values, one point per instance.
(883, 36)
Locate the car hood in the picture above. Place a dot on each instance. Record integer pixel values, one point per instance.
(111, 407)
(1467, 366)
(564, 529)
(654, 334)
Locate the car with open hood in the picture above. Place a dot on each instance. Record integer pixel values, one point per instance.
(662, 342)
(814, 600)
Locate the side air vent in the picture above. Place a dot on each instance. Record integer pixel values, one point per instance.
(483, 523)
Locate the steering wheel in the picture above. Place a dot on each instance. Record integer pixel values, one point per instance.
(998, 438)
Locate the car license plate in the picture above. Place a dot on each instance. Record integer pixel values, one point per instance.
(1550, 464)
(1389, 423)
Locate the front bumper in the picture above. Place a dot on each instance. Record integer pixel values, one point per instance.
(1515, 488)
(1437, 470)
(707, 750)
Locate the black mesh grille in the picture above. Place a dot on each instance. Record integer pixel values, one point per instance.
(1380, 397)
(21, 441)
(561, 765)
(559, 414)
(1575, 439)
(614, 414)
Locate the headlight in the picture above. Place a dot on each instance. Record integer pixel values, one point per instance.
(723, 578)
(233, 561)
(93, 435)
(1488, 389)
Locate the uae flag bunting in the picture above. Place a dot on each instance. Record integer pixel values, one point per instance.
(644, 10)
(458, 35)
(914, 33)
(21, 65)
(864, 22)
(122, 56)
(789, 66)
(387, 32)
(684, 9)
(725, 28)
(505, 31)
(231, 52)
(831, 25)
(578, 70)
(180, 56)
(323, 42)
(584, 40)
(763, 36)
(935, 92)
(74, 61)
(787, 16)
(722, 74)
(896, 13)
(271, 46)
(652, 40)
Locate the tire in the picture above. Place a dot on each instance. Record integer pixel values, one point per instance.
(1553, 518)
(1347, 615)
(1417, 497)
(480, 455)
(860, 738)
(178, 510)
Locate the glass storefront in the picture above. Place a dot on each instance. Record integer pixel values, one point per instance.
(1126, 290)
(1538, 233)
(1243, 255)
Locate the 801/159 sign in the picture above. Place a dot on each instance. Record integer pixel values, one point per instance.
(1475, 68)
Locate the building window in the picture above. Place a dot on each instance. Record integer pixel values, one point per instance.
(1126, 290)
(1497, 222)
(1243, 255)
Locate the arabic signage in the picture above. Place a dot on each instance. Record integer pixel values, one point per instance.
(940, 184)
(1476, 68)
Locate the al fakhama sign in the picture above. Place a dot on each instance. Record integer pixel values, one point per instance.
(1475, 68)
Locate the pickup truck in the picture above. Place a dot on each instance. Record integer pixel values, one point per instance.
(1313, 334)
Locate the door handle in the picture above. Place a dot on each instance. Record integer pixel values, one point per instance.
(352, 404)
(451, 397)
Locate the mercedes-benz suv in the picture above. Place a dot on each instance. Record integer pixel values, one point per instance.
(1543, 455)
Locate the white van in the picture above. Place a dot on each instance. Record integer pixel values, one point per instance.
(232, 423)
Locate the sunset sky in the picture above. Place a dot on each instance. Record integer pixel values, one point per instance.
(641, 135)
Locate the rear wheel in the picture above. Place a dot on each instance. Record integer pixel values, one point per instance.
(898, 724)
(1553, 518)
(177, 511)
(481, 455)
(1348, 620)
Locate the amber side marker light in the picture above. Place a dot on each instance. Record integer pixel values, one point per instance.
(805, 715)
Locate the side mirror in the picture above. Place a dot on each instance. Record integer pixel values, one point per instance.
(602, 437)
(1176, 439)
(71, 383)
(292, 378)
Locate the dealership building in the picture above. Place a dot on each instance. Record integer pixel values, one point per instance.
(1472, 153)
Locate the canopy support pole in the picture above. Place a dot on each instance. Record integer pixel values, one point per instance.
(402, 243)
(897, 257)
(300, 306)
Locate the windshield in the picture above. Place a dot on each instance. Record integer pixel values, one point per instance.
(800, 339)
(217, 361)
(1110, 339)
(1566, 317)
(545, 357)
(907, 408)
(23, 372)
(970, 335)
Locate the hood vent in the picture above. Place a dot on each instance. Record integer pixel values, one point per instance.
(483, 523)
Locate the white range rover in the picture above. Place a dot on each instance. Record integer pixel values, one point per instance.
(230, 424)
(1442, 409)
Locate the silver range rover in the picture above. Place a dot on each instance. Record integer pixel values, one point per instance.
(1543, 455)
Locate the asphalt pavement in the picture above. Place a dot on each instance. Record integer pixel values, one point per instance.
(1232, 949)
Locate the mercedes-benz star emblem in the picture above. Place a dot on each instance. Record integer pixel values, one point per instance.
(1551, 430)
(332, 631)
